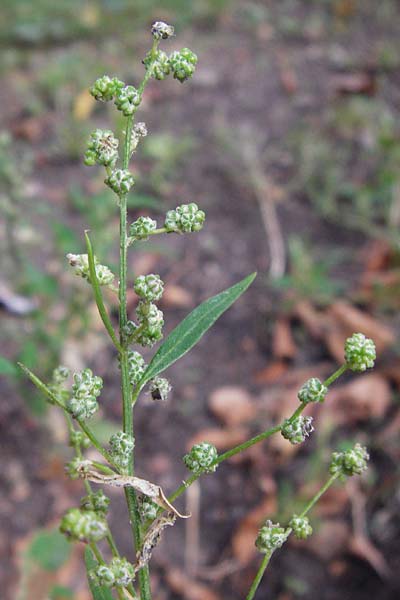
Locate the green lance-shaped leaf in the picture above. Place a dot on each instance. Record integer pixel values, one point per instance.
(192, 328)
(98, 592)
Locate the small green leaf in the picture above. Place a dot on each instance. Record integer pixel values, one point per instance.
(98, 593)
(49, 549)
(193, 327)
(7, 367)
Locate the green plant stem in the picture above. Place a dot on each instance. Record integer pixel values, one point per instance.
(335, 375)
(259, 576)
(318, 495)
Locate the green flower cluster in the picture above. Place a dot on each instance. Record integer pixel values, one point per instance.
(120, 573)
(121, 446)
(85, 389)
(270, 537)
(159, 388)
(120, 181)
(312, 390)
(83, 525)
(105, 88)
(296, 430)
(97, 502)
(80, 263)
(201, 457)
(350, 462)
(359, 352)
(142, 228)
(181, 63)
(127, 100)
(184, 219)
(77, 467)
(102, 149)
(78, 438)
(136, 366)
(301, 527)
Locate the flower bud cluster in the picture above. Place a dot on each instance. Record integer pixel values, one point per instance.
(80, 262)
(142, 228)
(136, 365)
(201, 457)
(148, 510)
(97, 502)
(161, 30)
(120, 181)
(160, 61)
(83, 525)
(77, 467)
(127, 100)
(105, 88)
(270, 537)
(296, 430)
(78, 438)
(359, 352)
(139, 131)
(183, 63)
(301, 527)
(151, 322)
(102, 149)
(312, 390)
(350, 462)
(149, 287)
(160, 388)
(121, 446)
(85, 389)
(185, 218)
(118, 573)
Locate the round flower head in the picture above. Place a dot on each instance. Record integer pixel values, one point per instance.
(185, 218)
(161, 66)
(149, 287)
(312, 390)
(121, 445)
(84, 526)
(80, 263)
(160, 388)
(97, 502)
(120, 181)
(104, 576)
(142, 227)
(136, 366)
(201, 457)
(183, 64)
(161, 31)
(127, 100)
(151, 321)
(123, 571)
(350, 462)
(102, 149)
(78, 438)
(297, 430)
(77, 467)
(148, 510)
(301, 527)
(105, 88)
(270, 537)
(359, 352)
(85, 389)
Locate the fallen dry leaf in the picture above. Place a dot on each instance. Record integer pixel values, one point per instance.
(283, 345)
(366, 397)
(232, 405)
(272, 372)
(355, 83)
(177, 296)
(188, 588)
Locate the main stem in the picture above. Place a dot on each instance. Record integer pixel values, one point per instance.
(130, 494)
(259, 576)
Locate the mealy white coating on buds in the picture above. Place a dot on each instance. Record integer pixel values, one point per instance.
(120, 181)
(183, 63)
(80, 263)
(97, 502)
(160, 388)
(359, 352)
(160, 67)
(149, 287)
(270, 537)
(312, 390)
(102, 149)
(118, 573)
(184, 219)
(121, 446)
(77, 467)
(151, 322)
(142, 227)
(136, 366)
(301, 527)
(127, 100)
(139, 131)
(148, 509)
(161, 30)
(78, 438)
(105, 88)
(296, 430)
(201, 457)
(85, 389)
(83, 525)
(350, 462)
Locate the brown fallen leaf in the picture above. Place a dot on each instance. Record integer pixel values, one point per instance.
(177, 296)
(366, 397)
(232, 405)
(272, 372)
(283, 345)
(243, 539)
(188, 588)
(312, 319)
(223, 439)
(363, 82)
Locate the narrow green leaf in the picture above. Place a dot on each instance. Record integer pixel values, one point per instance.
(192, 328)
(98, 296)
(98, 592)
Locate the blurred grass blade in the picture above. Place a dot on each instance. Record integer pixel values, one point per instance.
(98, 593)
(98, 296)
(192, 328)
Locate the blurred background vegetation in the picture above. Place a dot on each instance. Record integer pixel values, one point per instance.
(289, 137)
